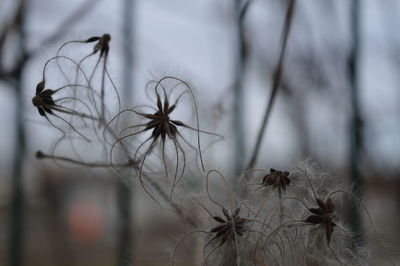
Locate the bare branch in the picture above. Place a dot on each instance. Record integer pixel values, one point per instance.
(275, 82)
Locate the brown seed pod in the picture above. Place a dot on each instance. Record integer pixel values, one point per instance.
(161, 128)
(102, 44)
(323, 215)
(231, 226)
(100, 71)
(276, 179)
(47, 105)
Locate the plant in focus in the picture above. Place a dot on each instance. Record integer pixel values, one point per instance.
(153, 143)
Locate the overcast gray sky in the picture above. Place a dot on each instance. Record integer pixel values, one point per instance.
(195, 40)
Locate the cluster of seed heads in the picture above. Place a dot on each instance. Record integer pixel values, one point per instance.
(260, 237)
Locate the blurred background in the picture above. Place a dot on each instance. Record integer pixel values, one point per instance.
(338, 103)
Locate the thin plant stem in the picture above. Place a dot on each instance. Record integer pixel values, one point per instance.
(276, 80)
(40, 155)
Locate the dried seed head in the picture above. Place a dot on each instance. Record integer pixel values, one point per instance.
(103, 45)
(323, 215)
(276, 179)
(227, 230)
(43, 99)
(39, 155)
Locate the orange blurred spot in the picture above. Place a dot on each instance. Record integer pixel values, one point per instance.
(86, 222)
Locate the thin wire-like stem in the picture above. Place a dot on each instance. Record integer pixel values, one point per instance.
(120, 140)
(42, 155)
(141, 173)
(71, 126)
(183, 158)
(226, 185)
(176, 168)
(163, 157)
(180, 240)
(276, 81)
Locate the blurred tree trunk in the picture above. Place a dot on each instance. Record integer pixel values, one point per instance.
(125, 241)
(239, 72)
(17, 200)
(12, 76)
(356, 120)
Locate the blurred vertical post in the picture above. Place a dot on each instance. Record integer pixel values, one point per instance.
(125, 241)
(238, 104)
(356, 120)
(17, 200)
